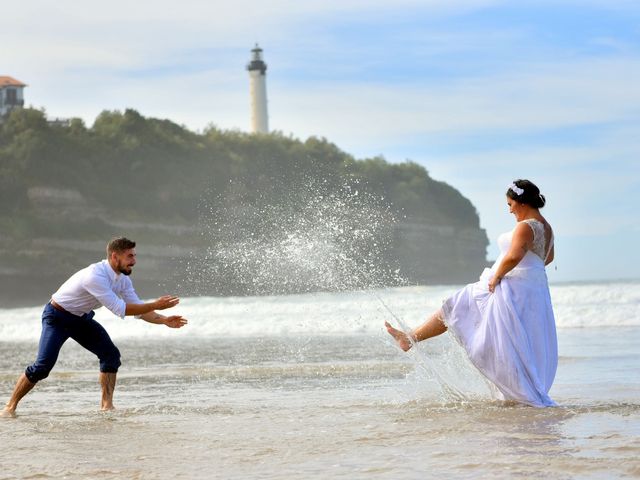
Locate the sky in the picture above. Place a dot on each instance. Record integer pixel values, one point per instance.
(479, 92)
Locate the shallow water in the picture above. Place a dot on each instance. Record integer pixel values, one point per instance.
(323, 404)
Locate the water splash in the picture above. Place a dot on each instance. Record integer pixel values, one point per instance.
(430, 369)
(315, 238)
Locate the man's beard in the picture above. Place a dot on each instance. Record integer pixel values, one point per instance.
(125, 272)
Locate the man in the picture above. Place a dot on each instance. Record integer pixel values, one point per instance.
(69, 314)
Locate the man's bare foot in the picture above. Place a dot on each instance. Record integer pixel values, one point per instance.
(107, 408)
(6, 413)
(400, 337)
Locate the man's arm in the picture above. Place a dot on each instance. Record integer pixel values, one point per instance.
(173, 321)
(162, 303)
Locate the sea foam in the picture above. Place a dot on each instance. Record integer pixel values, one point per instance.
(592, 305)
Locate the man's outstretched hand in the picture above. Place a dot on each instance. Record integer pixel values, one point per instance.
(165, 301)
(172, 321)
(175, 321)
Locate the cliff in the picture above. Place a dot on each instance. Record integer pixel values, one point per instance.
(220, 213)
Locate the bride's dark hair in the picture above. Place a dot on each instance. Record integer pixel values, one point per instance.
(530, 193)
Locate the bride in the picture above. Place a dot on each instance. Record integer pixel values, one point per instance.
(505, 320)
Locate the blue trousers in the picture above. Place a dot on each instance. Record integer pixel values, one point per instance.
(59, 326)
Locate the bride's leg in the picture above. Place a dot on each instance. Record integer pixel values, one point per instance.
(433, 327)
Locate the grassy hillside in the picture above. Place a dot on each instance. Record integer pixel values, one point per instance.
(146, 169)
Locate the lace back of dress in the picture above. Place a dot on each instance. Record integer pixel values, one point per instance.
(538, 238)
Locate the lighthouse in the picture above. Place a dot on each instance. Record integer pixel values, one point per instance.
(258, 90)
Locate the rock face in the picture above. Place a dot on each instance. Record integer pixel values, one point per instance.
(430, 254)
(416, 254)
(62, 203)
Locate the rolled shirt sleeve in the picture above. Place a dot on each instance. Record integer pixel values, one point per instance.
(129, 294)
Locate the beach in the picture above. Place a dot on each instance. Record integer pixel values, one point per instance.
(311, 386)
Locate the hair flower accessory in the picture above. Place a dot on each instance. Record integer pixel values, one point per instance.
(516, 189)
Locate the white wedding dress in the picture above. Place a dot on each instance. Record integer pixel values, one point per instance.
(510, 335)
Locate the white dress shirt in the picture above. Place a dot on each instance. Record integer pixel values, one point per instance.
(95, 286)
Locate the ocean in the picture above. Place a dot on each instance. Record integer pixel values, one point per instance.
(311, 386)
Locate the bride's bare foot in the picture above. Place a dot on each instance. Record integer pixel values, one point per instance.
(400, 337)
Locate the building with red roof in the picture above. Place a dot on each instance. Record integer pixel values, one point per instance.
(11, 94)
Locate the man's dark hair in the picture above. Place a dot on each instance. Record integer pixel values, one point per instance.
(119, 244)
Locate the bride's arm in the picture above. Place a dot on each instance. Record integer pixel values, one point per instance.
(520, 241)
